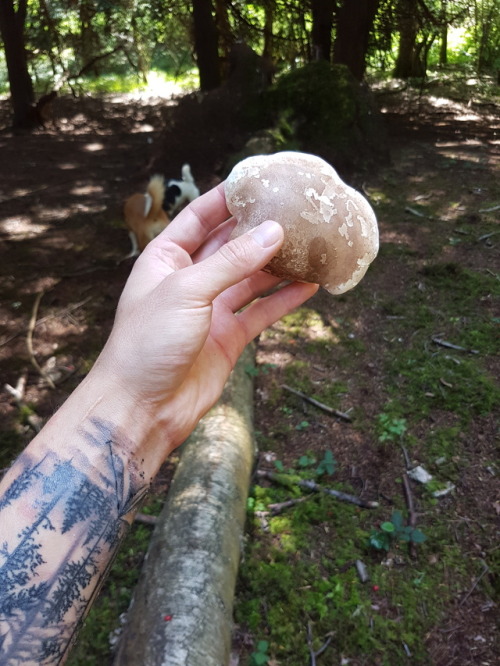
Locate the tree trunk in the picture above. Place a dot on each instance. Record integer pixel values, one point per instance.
(21, 86)
(354, 25)
(443, 47)
(407, 62)
(181, 612)
(206, 44)
(321, 32)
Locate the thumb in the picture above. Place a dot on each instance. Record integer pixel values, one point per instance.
(237, 259)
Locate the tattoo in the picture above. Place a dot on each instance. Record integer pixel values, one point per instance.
(71, 518)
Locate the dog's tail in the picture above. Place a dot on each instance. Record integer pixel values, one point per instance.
(187, 176)
(154, 196)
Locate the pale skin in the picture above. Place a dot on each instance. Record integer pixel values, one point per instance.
(190, 306)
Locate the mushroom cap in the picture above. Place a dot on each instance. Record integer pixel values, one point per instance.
(331, 233)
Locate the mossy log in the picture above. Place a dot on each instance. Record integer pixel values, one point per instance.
(181, 612)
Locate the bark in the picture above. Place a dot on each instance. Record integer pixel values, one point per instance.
(181, 612)
(321, 32)
(407, 62)
(354, 25)
(206, 44)
(21, 86)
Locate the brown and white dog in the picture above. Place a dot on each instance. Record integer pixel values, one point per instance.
(144, 215)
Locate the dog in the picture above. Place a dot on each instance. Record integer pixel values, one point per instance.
(180, 192)
(144, 215)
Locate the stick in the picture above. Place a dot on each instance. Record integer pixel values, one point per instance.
(486, 236)
(412, 517)
(17, 393)
(316, 403)
(478, 580)
(145, 519)
(449, 345)
(279, 507)
(29, 341)
(313, 486)
(489, 210)
(310, 645)
(61, 313)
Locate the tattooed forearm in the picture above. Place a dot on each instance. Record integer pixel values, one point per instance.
(62, 521)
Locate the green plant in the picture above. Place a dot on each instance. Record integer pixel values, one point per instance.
(327, 465)
(260, 655)
(390, 427)
(394, 530)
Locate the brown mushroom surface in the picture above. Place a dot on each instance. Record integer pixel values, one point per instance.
(331, 233)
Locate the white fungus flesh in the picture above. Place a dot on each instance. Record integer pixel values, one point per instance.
(331, 233)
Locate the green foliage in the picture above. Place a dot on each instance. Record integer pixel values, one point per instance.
(390, 427)
(394, 530)
(260, 656)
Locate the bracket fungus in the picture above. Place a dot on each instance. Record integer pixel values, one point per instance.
(331, 233)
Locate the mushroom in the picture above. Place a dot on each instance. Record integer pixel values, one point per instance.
(331, 233)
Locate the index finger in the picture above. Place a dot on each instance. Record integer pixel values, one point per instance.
(192, 226)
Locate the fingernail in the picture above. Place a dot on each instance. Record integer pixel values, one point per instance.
(266, 234)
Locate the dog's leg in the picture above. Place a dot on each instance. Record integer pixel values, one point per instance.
(135, 248)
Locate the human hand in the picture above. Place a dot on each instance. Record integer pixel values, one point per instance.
(180, 326)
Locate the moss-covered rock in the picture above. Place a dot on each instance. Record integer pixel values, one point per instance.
(332, 114)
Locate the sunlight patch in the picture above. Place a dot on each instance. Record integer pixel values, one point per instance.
(22, 226)
(94, 147)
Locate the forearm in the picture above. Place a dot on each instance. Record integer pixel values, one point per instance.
(65, 506)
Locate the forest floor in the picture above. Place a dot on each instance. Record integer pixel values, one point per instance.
(410, 355)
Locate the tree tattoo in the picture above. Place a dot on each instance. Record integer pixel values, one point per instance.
(47, 581)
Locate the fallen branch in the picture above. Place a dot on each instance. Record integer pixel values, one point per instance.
(316, 403)
(29, 342)
(450, 345)
(287, 480)
(279, 507)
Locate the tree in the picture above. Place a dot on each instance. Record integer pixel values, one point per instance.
(12, 23)
(321, 31)
(354, 25)
(206, 44)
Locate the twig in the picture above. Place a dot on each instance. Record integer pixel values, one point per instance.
(413, 211)
(145, 519)
(17, 393)
(316, 403)
(319, 652)
(412, 516)
(489, 210)
(313, 486)
(476, 583)
(449, 345)
(406, 457)
(61, 313)
(278, 507)
(486, 236)
(29, 341)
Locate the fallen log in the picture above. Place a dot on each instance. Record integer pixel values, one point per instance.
(181, 611)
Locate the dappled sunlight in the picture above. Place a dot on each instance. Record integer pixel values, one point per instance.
(21, 227)
(84, 190)
(93, 147)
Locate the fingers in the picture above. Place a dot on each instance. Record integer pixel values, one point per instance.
(246, 291)
(191, 227)
(266, 311)
(215, 240)
(233, 262)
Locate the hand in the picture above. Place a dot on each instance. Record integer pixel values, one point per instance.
(180, 327)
